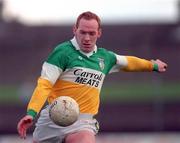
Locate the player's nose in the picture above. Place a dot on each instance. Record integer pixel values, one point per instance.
(87, 37)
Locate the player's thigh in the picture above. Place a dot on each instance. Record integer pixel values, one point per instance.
(83, 136)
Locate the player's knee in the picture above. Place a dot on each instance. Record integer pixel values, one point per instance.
(81, 137)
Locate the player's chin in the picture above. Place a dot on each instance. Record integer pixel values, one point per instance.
(87, 49)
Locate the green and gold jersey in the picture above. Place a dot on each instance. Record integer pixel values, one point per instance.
(81, 77)
(70, 72)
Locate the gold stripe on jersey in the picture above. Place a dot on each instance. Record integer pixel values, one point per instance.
(86, 96)
(82, 84)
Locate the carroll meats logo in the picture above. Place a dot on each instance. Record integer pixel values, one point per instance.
(88, 78)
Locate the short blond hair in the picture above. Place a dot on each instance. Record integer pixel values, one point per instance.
(88, 16)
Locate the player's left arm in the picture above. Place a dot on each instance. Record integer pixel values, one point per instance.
(133, 64)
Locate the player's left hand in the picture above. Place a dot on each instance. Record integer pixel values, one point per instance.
(161, 65)
(25, 123)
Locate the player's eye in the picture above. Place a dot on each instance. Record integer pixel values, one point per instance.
(92, 33)
(82, 32)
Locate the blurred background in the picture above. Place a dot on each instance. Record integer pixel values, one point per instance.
(135, 107)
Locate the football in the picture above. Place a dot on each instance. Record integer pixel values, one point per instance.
(64, 111)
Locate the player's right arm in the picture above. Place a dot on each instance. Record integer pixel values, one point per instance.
(51, 71)
(49, 75)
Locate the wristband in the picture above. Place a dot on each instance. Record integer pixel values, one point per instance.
(155, 67)
(32, 113)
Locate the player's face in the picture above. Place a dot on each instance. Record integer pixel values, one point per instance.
(87, 34)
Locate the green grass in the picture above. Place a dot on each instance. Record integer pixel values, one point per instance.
(128, 92)
(140, 92)
(9, 94)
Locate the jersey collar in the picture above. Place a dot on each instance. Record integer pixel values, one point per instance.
(75, 44)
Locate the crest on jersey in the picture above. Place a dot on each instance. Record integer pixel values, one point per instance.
(101, 63)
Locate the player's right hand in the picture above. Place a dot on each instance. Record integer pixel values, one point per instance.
(25, 123)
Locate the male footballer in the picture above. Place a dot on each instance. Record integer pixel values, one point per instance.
(77, 68)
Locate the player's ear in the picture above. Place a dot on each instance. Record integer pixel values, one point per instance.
(99, 32)
(74, 29)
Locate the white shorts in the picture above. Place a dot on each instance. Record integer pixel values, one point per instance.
(48, 132)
